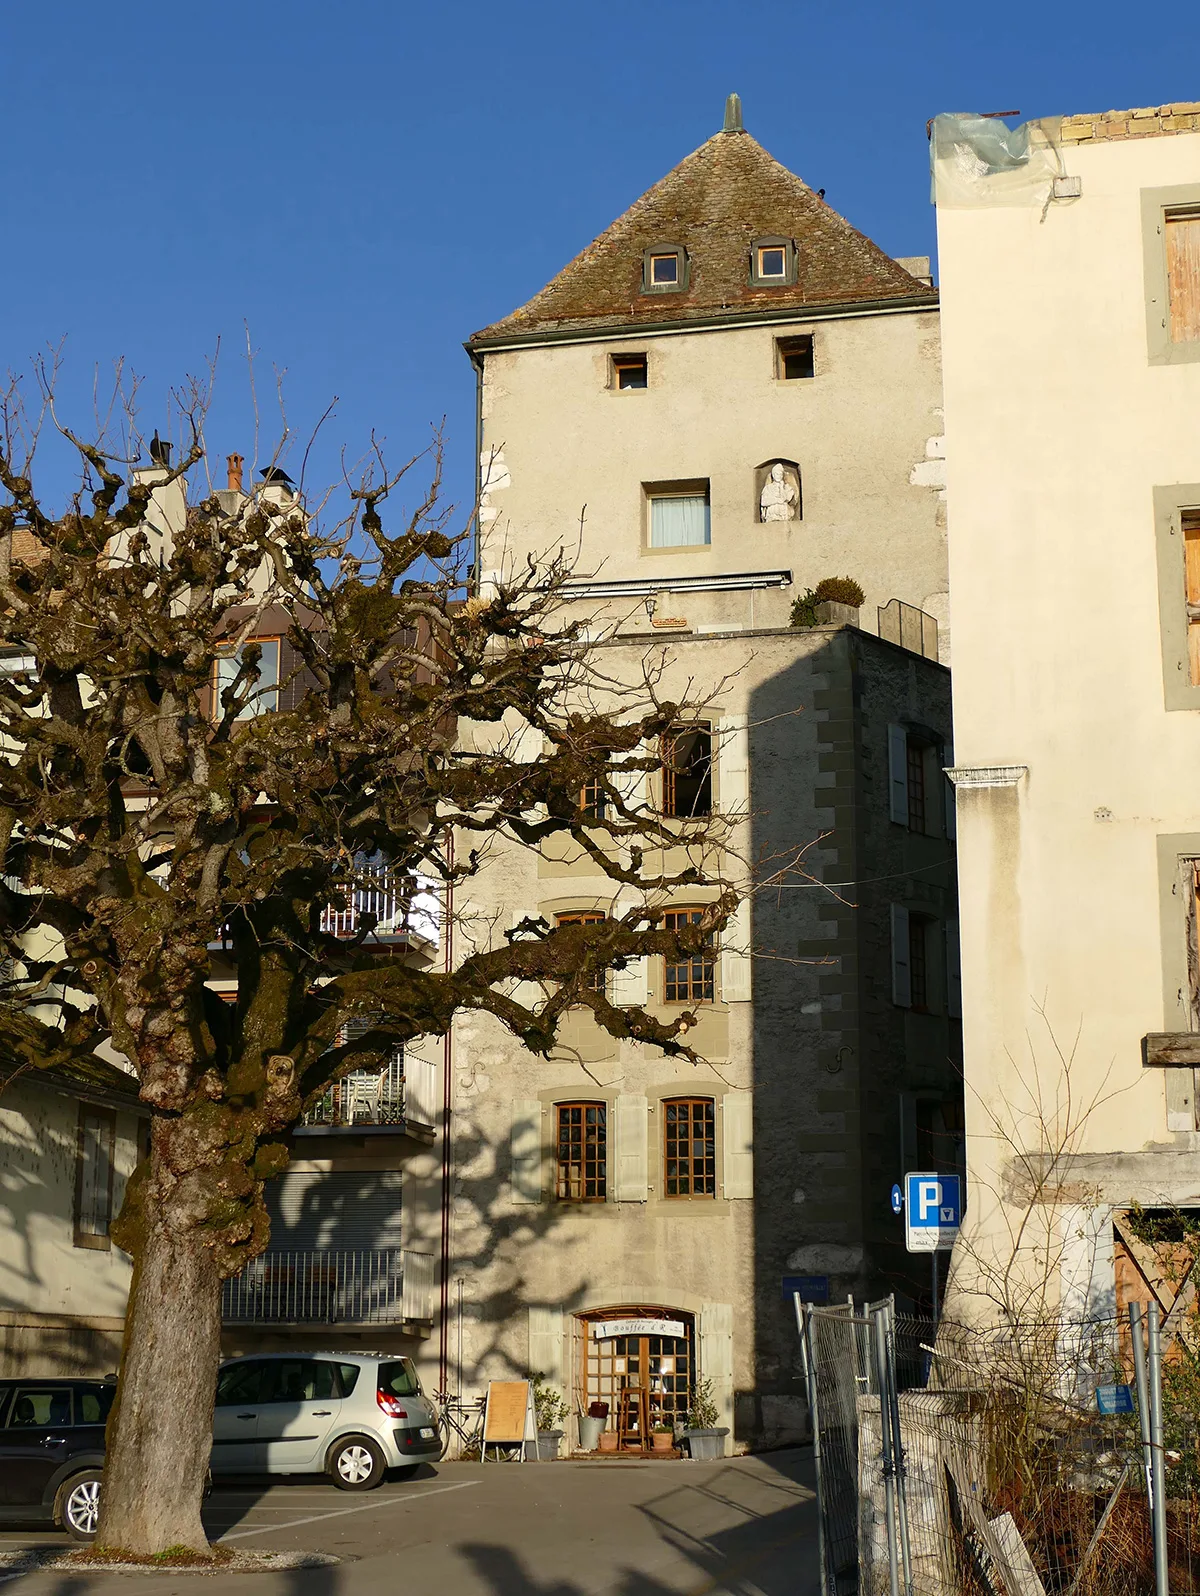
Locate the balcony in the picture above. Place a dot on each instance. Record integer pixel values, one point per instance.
(406, 909)
(400, 1097)
(382, 1286)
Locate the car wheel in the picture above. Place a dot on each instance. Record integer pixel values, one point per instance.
(78, 1506)
(355, 1463)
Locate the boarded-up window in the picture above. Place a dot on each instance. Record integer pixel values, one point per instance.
(1183, 275)
(1190, 525)
(94, 1176)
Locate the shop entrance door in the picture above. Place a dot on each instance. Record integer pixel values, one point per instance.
(661, 1365)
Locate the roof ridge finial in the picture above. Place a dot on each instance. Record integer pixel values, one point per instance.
(733, 115)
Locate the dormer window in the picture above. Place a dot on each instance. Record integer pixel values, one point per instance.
(772, 262)
(665, 269)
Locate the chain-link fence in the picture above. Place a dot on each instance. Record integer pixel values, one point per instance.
(1000, 1463)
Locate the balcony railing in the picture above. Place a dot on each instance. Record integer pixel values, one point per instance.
(402, 905)
(403, 1093)
(382, 1286)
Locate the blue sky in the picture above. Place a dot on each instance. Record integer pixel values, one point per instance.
(365, 184)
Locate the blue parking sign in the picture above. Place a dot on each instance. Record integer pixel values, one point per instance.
(932, 1211)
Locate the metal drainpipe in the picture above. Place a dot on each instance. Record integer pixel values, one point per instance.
(447, 1160)
(477, 362)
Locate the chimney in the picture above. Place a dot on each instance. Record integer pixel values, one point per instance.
(234, 464)
(160, 451)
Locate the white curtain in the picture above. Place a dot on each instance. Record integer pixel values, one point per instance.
(264, 700)
(679, 521)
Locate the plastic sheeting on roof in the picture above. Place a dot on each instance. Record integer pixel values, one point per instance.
(979, 160)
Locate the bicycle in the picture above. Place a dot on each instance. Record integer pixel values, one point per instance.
(463, 1419)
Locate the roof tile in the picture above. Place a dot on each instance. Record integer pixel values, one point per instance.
(715, 203)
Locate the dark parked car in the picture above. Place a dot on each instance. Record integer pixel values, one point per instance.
(52, 1451)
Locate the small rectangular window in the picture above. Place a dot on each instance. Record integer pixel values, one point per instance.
(264, 694)
(680, 520)
(629, 371)
(689, 1147)
(687, 771)
(692, 980)
(586, 917)
(664, 269)
(772, 261)
(794, 358)
(94, 1176)
(1190, 526)
(593, 800)
(916, 785)
(581, 1153)
(1183, 275)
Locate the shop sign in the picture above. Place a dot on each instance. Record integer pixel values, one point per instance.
(603, 1329)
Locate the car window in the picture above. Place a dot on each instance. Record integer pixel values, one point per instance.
(241, 1383)
(93, 1403)
(348, 1373)
(398, 1378)
(299, 1380)
(34, 1408)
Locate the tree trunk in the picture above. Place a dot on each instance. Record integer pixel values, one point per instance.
(160, 1430)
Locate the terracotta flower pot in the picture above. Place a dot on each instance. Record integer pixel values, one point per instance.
(608, 1440)
(662, 1440)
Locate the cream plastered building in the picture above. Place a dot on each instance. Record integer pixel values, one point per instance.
(728, 396)
(1069, 256)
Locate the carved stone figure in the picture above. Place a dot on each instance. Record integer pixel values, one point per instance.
(777, 502)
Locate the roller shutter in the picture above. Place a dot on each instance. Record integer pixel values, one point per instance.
(345, 1211)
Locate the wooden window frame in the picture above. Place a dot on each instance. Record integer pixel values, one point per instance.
(658, 252)
(593, 800)
(1184, 329)
(670, 772)
(598, 982)
(596, 1163)
(915, 754)
(769, 242)
(226, 651)
(107, 1118)
(699, 981)
(802, 349)
(1160, 207)
(621, 364)
(704, 1185)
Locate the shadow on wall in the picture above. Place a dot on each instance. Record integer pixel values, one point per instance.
(834, 1058)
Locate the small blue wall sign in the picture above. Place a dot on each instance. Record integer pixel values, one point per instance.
(1114, 1399)
(812, 1288)
(897, 1200)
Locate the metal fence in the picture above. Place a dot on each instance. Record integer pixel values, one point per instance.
(385, 1285)
(979, 1463)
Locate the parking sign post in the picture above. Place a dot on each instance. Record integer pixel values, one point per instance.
(932, 1215)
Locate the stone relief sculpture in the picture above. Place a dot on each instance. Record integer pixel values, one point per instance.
(777, 501)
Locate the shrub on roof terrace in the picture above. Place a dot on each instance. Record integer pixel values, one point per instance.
(829, 590)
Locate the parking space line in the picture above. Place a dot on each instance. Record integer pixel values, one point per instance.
(341, 1512)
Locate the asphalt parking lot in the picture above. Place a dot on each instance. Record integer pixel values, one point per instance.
(745, 1527)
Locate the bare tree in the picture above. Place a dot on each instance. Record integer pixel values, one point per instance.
(158, 792)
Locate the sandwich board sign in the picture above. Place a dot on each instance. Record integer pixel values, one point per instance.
(932, 1211)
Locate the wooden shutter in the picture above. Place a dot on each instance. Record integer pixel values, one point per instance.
(715, 1325)
(1190, 529)
(733, 766)
(953, 972)
(630, 987)
(629, 1135)
(421, 1098)
(1183, 276)
(901, 965)
(546, 1345)
(735, 956)
(737, 1129)
(898, 774)
(525, 1146)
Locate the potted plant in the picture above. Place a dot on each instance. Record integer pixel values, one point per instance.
(662, 1437)
(591, 1426)
(835, 600)
(705, 1439)
(549, 1411)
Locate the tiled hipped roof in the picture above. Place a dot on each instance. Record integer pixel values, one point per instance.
(715, 203)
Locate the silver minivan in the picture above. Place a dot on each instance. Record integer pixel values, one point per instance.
(351, 1415)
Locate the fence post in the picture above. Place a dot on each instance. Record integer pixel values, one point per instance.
(804, 1321)
(1143, 1395)
(1157, 1461)
(898, 1459)
(879, 1331)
